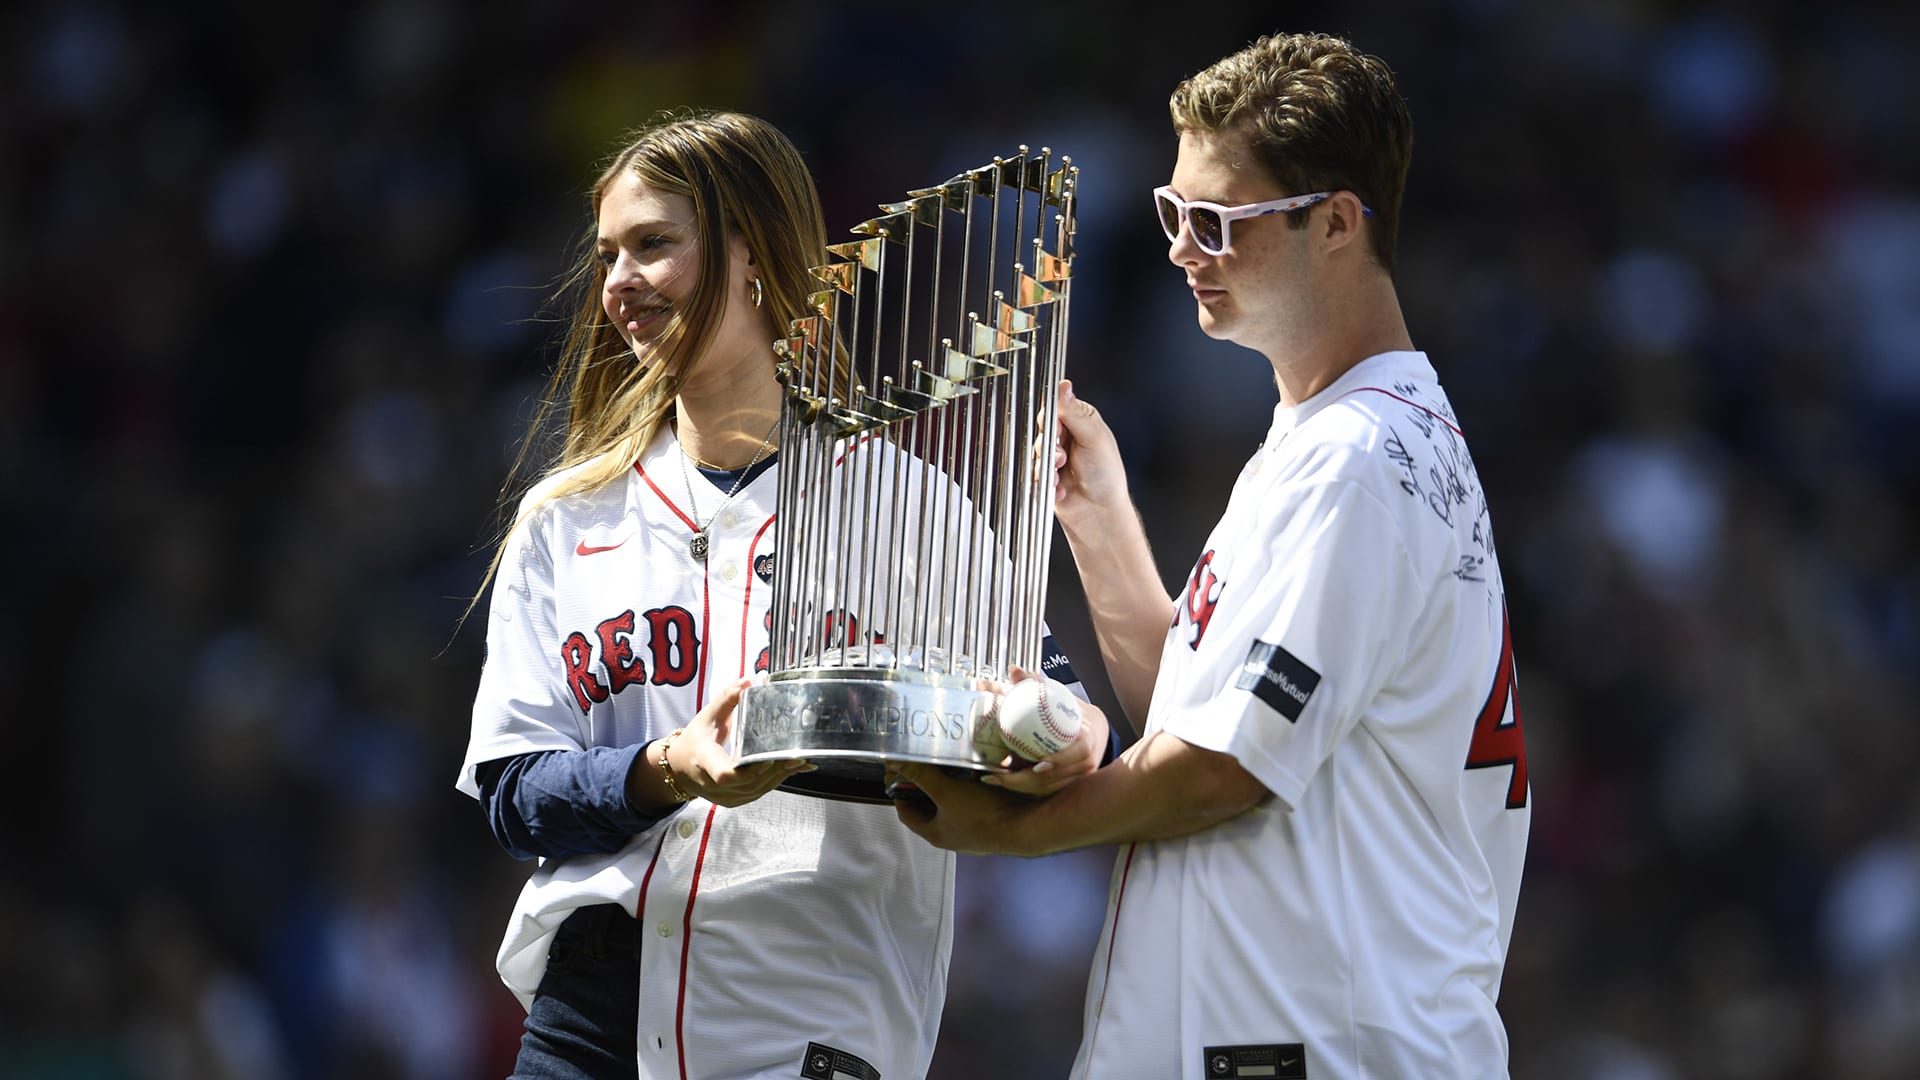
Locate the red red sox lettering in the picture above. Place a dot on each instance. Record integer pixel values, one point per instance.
(1203, 595)
(672, 640)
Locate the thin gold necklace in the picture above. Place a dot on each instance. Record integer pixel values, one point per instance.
(699, 546)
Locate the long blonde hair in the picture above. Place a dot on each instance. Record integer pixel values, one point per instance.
(744, 177)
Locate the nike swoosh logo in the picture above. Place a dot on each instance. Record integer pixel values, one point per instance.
(583, 549)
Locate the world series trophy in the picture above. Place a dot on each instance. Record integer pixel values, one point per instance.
(915, 513)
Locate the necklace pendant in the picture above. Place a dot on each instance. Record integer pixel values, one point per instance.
(697, 547)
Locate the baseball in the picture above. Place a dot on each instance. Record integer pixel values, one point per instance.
(1038, 717)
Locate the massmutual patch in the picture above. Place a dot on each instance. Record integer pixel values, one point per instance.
(1054, 663)
(1278, 678)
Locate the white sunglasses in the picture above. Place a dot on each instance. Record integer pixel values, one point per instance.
(1211, 223)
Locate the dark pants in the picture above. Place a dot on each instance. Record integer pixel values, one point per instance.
(584, 1020)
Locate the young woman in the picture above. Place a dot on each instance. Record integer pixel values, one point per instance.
(686, 919)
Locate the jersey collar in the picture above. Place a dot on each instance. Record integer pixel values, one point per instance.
(1380, 369)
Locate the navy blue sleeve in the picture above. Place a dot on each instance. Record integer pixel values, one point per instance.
(1055, 665)
(554, 803)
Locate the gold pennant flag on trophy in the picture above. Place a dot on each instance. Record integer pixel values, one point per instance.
(1030, 293)
(864, 252)
(839, 275)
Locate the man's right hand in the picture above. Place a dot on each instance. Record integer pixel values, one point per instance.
(1090, 478)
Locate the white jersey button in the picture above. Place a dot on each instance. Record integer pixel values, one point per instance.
(665, 929)
(729, 519)
(729, 572)
(686, 829)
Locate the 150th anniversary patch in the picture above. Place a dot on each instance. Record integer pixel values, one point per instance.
(1278, 678)
(1274, 1061)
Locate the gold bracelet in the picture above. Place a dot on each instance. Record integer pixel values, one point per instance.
(666, 770)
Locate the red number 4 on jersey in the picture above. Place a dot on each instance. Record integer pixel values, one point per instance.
(1496, 739)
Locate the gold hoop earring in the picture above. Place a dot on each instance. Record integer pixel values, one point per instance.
(759, 292)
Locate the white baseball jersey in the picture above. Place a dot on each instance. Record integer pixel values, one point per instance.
(1344, 638)
(791, 937)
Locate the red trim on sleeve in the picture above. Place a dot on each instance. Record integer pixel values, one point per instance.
(686, 944)
(1415, 404)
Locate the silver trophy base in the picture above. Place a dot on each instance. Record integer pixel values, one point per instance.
(848, 722)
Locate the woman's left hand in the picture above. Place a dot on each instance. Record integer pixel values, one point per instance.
(1063, 766)
(703, 766)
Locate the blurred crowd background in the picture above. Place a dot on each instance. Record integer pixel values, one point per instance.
(273, 316)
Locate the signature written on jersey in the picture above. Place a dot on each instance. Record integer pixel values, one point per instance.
(1436, 469)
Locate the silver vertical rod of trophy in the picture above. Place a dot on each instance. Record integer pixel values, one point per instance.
(936, 573)
(871, 450)
(776, 630)
(787, 578)
(962, 637)
(1020, 632)
(819, 504)
(907, 617)
(791, 574)
(1048, 357)
(907, 444)
(990, 569)
(997, 589)
(959, 629)
(1021, 425)
(1019, 636)
(1040, 471)
(1056, 367)
(858, 457)
(807, 613)
(1016, 441)
(985, 557)
(935, 496)
(862, 460)
(897, 621)
(776, 633)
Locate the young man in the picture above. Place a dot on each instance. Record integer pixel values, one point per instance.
(1326, 817)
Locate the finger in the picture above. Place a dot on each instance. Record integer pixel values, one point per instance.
(916, 815)
(713, 766)
(1034, 781)
(933, 783)
(719, 711)
(780, 773)
(1080, 417)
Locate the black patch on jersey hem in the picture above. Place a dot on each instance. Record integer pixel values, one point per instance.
(1272, 1061)
(1278, 678)
(823, 1062)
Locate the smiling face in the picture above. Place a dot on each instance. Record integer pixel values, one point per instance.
(651, 252)
(1257, 292)
(651, 249)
